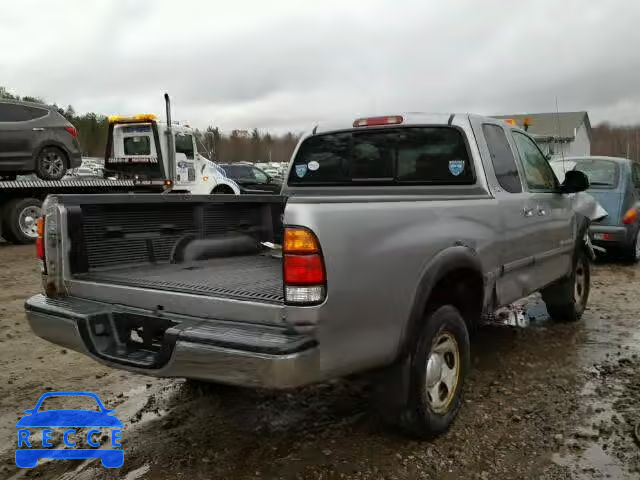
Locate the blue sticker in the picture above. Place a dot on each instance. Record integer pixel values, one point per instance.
(301, 170)
(456, 167)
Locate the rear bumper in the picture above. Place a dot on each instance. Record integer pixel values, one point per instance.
(610, 235)
(166, 345)
(75, 159)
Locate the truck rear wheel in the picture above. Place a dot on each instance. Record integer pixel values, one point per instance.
(19, 220)
(438, 367)
(566, 300)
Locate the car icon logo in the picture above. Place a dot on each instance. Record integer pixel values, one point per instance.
(28, 452)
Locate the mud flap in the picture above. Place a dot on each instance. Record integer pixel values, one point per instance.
(589, 247)
(590, 210)
(391, 389)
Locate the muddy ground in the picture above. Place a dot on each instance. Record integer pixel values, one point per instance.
(548, 401)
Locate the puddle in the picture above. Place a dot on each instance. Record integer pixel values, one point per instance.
(144, 404)
(594, 462)
(608, 356)
(137, 473)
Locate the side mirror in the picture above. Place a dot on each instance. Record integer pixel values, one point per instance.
(574, 181)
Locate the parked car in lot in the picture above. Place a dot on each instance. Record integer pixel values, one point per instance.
(85, 172)
(36, 138)
(398, 235)
(615, 184)
(252, 179)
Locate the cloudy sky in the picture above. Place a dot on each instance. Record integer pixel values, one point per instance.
(286, 64)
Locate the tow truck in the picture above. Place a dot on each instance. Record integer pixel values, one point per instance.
(141, 155)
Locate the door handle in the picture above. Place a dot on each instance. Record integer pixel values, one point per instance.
(541, 211)
(527, 212)
(37, 129)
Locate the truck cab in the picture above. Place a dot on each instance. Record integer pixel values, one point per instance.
(138, 149)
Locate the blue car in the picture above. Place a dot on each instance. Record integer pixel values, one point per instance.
(34, 420)
(615, 184)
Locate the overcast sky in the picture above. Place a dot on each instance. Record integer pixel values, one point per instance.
(286, 64)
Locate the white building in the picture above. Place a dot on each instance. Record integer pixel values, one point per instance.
(558, 134)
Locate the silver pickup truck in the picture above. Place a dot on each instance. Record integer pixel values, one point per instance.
(392, 238)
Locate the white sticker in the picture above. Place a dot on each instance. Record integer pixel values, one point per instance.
(313, 166)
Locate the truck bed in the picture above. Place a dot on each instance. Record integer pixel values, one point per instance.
(249, 277)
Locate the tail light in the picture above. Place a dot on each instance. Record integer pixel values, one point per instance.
(72, 131)
(48, 247)
(40, 242)
(303, 267)
(630, 216)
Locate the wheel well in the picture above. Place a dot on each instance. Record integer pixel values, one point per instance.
(464, 289)
(65, 155)
(222, 189)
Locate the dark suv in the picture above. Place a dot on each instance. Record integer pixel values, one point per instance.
(36, 138)
(251, 179)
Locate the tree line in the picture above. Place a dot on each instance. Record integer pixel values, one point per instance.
(257, 146)
(615, 141)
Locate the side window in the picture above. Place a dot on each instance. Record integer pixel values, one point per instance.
(35, 112)
(504, 164)
(11, 112)
(184, 144)
(537, 171)
(635, 172)
(259, 175)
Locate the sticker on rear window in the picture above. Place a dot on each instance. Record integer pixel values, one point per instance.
(456, 167)
(301, 170)
(313, 166)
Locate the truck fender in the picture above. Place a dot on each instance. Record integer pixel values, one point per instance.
(582, 237)
(445, 262)
(228, 182)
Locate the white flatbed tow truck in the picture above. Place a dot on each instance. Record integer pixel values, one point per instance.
(142, 155)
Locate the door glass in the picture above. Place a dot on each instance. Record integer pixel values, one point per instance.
(502, 158)
(12, 112)
(636, 175)
(260, 176)
(36, 112)
(184, 144)
(537, 172)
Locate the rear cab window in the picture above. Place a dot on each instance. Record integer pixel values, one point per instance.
(137, 145)
(386, 156)
(184, 144)
(137, 141)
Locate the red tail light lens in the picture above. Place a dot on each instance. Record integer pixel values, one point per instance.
(72, 131)
(630, 216)
(303, 267)
(40, 239)
(303, 270)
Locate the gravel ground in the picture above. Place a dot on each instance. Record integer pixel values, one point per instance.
(549, 401)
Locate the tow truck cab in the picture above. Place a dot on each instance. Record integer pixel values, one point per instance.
(138, 149)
